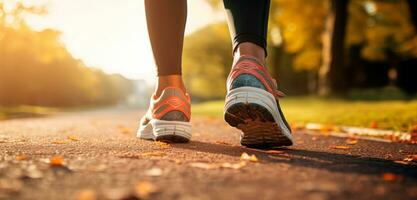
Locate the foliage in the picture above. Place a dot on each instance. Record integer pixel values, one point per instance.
(37, 69)
(207, 60)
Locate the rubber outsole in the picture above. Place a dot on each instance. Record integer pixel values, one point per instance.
(166, 131)
(256, 113)
(258, 126)
(172, 139)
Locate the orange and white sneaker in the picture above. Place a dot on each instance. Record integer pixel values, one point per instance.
(252, 106)
(168, 117)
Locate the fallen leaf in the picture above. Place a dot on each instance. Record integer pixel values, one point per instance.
(233, 165)
(59, 142)
(153, 172)
(145, 189)
(389, 177)
(163, 145)
(21, 157)
(154, 153)
(351, 141)
(86, 195)
(125, 130)
(56, 161)
(73, 138)
(274, 152)
(402, 162)
(341, 147)
(248, 157)
(411, 158)
(202, 165)
(314, 138)
(222, 142)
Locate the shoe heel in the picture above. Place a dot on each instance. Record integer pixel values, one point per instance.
(171, 131)
(255, 112)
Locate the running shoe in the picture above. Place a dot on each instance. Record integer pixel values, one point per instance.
(168, 117)
(252, 106)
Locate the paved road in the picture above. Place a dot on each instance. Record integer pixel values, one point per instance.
(103, 159)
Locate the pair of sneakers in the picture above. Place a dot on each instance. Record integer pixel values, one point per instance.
(251, 105)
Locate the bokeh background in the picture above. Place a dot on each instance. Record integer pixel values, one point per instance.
(340, 62)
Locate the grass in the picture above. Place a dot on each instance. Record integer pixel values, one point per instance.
(25, 111)
(395, 114)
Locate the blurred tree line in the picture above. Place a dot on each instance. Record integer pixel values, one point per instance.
(320, 47)
(37, 69)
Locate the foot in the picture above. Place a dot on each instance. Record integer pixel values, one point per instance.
(168, 117)
(252, 106)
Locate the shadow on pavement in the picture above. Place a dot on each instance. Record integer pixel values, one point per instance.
(312, 159)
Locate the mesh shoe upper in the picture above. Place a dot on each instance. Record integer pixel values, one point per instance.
(172, 105)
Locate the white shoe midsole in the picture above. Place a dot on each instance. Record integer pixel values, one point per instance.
(156, 128)
(258, 96)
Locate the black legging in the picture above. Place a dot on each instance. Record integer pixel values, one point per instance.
(248, 21)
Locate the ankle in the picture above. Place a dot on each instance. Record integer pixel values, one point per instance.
(168, 81)
(249, 49)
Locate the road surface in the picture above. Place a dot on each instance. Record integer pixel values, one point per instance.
(95, 155)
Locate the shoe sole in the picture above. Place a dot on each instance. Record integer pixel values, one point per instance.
(166, 131)
(255, 112)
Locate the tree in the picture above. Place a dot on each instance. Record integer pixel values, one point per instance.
(333, 74)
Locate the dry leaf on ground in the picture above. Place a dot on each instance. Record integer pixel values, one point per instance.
(73, 138)
(389, 177)
(163, 145)
(351, 141)
(233, 165)
(248, 157)
(411, 158)
(56, 161)
(222, 142)
(203, 165)
(275, 152)
(341, 147)
(21, 157)
(154, 172)
(59, 142)
(145, 189)
(86, 195)
(154, 153)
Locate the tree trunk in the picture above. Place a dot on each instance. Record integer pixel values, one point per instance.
(412, 5)
(333, 74)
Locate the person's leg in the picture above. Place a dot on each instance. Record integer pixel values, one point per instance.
(168, 117)
(166, 23)
(248, 25)
(252, 95)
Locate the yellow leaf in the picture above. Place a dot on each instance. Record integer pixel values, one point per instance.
(73, 138)
(248, 157)
(144, 189)
(59, 142)
(341, 147)
(163, 145)
(154, 153)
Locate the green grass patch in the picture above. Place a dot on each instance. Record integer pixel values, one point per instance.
(25, 111)
(395, 114)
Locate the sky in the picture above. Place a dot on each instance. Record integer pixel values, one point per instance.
(112, 34)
